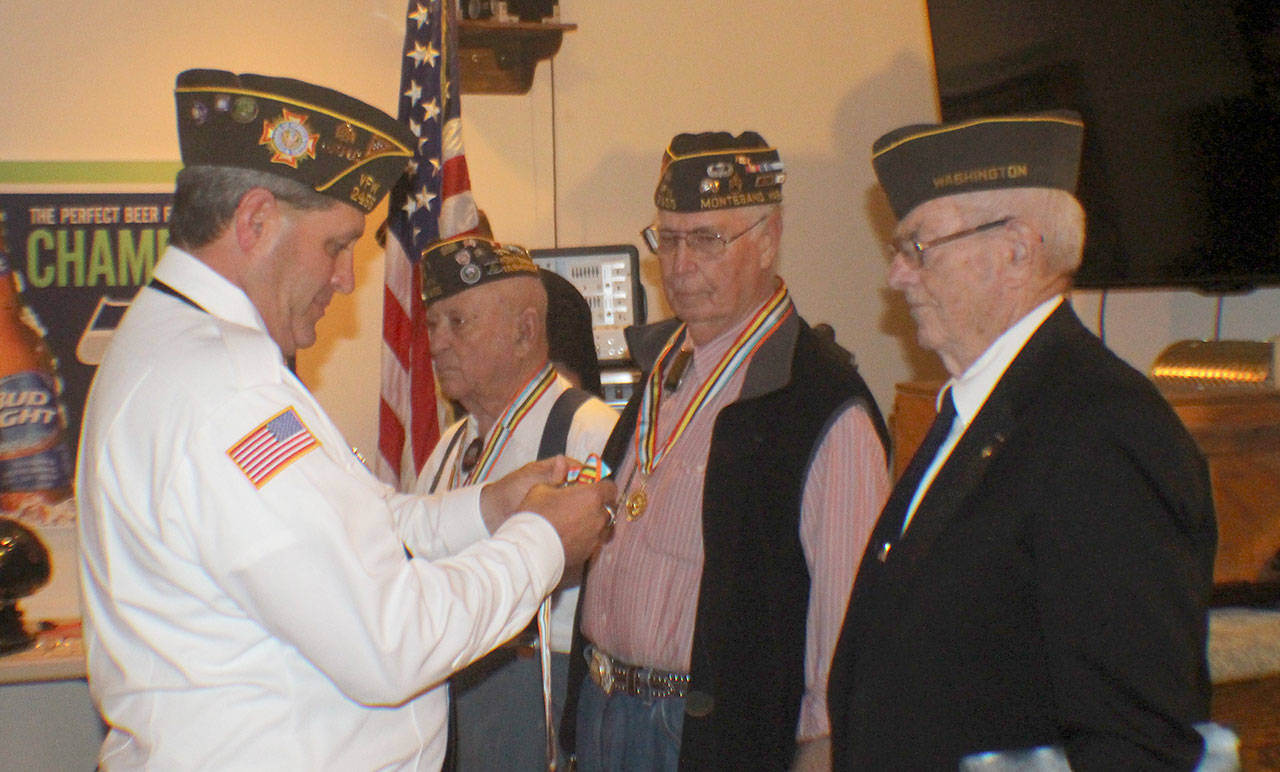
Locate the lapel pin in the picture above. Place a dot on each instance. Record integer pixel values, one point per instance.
(991, 447)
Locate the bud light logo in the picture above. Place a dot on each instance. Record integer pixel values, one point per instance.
(26, 406)
(32, 454)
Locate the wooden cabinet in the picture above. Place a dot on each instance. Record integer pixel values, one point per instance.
(1239, 434)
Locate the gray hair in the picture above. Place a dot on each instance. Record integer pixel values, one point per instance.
(1056, 214)
(206, 197)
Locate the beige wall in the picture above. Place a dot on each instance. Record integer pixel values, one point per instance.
(573, 161)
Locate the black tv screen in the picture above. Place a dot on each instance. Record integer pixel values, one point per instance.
(1180, 178)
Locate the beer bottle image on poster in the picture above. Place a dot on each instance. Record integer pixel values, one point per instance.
(35, 458)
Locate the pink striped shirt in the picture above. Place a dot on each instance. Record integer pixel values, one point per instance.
(642, 597)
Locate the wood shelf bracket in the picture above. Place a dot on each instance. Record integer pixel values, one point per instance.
(500, 57)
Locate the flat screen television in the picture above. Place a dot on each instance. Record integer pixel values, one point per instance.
(1180, 177)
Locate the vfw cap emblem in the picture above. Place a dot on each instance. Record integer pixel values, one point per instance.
(290, 138)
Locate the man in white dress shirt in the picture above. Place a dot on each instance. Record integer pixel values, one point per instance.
(248, 601)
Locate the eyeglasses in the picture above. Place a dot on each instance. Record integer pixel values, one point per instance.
(913, 251)
(702, 243)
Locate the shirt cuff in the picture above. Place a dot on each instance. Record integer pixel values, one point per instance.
(462, 521)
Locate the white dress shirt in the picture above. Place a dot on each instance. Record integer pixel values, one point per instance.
(971, 389)
(588, 433)
(277, 625)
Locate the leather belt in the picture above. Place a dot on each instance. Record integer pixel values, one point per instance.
(614, 677)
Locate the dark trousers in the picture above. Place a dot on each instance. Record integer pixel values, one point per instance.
(498, 710)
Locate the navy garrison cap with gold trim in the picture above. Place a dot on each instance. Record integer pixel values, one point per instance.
(319, 137)
(458, 264)
(918, 163)
(716, 170)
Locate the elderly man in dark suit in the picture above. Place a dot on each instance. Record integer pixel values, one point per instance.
(1039, 577)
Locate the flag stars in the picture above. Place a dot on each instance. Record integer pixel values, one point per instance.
(430, 110)
(421, 53)
(424, 198)
(420, 15)
(414, 92)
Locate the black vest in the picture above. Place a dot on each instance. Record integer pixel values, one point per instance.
(748, 642)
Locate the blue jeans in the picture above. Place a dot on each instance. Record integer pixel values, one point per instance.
(622, 733)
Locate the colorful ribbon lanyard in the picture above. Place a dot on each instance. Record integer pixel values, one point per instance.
(509, 420)
(765, 322)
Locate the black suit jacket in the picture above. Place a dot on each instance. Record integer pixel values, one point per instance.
(1052, 588)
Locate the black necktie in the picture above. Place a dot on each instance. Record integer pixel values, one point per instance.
(896, 509)
(929, 447)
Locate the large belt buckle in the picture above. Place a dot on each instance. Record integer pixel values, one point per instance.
(602, 671)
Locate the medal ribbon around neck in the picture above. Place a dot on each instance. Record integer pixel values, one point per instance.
(509, 420)
(765, 322)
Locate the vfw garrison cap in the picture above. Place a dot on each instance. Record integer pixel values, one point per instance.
(925, 161)
(458, 264)
(333, 143)
(716, 170)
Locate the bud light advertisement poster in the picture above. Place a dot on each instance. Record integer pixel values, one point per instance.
(70, 263)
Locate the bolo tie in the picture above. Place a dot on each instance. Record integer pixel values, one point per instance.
(471, 455)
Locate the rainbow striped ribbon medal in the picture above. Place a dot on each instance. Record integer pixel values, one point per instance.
(763, 324)
(506, 424)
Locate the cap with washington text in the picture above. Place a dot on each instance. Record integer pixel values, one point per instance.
(926, 161)
(716, 170)
(333, 143)
(458, 264)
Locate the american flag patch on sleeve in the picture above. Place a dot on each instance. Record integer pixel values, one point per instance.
(275, 444)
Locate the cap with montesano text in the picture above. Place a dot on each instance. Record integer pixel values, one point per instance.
(333, 143)
(926, 161)
(716, 170)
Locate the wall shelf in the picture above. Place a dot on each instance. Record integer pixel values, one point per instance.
(500, 57)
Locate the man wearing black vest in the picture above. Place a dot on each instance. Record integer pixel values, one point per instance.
(1037, 584)
(487, 321)
(750, 465)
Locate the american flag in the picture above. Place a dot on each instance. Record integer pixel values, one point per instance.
(272, 446)
(432, 202)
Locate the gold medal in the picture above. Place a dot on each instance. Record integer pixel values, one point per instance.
(636, 502)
